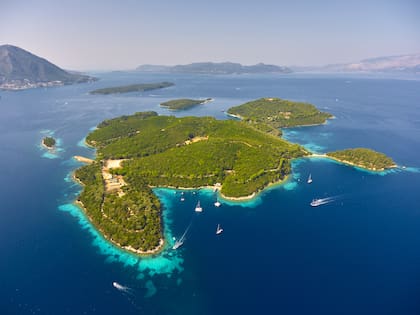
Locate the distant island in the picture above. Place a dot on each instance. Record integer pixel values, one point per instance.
(409, 64)
(183, 103)
(364, 158)
(241, 157)
(132, 88)
(19, 70)
(215, 68)
(49, 142)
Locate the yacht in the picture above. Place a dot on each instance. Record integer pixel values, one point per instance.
(179, 242)
(198, 208)
(217, 204)
(309, 179)
(219, 230)
(321, 201)
(316, 202)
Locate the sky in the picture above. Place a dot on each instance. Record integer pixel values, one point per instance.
(119, 35)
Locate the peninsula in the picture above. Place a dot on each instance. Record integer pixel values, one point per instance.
(20, 70)
(183, 103)
(132, 88)
(363, 158)
(138, 152)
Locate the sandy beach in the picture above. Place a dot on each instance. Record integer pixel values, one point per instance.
(83, 159)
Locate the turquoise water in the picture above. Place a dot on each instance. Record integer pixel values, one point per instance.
(356, 255)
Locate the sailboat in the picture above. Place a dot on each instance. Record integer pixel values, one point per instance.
(309, 179)
(217, 204)
(219, 230)
(198, 207)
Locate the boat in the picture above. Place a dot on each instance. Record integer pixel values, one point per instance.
(316, 202)
(309, 179)
(179, 242)
(219, 230)
(182, 199)
(198, 208)
(321, 201)
(217, 204)
(119, 286)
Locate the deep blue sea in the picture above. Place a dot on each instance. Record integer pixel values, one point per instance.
(277, 255)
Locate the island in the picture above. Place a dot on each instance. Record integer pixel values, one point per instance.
(48, 142)
(363, 158)
(136, 153)
(132, 88)
(279, 113)
(216, 68)
(183, 103)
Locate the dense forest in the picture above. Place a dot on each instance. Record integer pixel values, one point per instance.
(245, 156)
(132, 88)
(130, 220)
(177, 152)
(280, 113)
(365, 158)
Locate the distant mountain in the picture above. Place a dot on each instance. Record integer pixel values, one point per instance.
(402, 63)
(215, 68)
(153, 68)
(19, 69)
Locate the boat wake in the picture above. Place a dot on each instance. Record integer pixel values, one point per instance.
(323, 201)
(179, 242)
(129, 294)
(123, 288)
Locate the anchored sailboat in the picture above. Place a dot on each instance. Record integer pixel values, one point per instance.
(219, 230)
(198, 208)
(217, 203)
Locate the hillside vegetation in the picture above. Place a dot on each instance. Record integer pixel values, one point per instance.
(178, 152)
(148, 150)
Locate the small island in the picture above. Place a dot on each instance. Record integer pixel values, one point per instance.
(48, 142)
(183, 103)
(364, 158)
(279, 113)
(132, 88)
(241, 157)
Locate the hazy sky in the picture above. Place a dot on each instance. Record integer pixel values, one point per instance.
(102, 34)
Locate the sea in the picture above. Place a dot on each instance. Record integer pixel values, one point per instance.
(358, 254)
